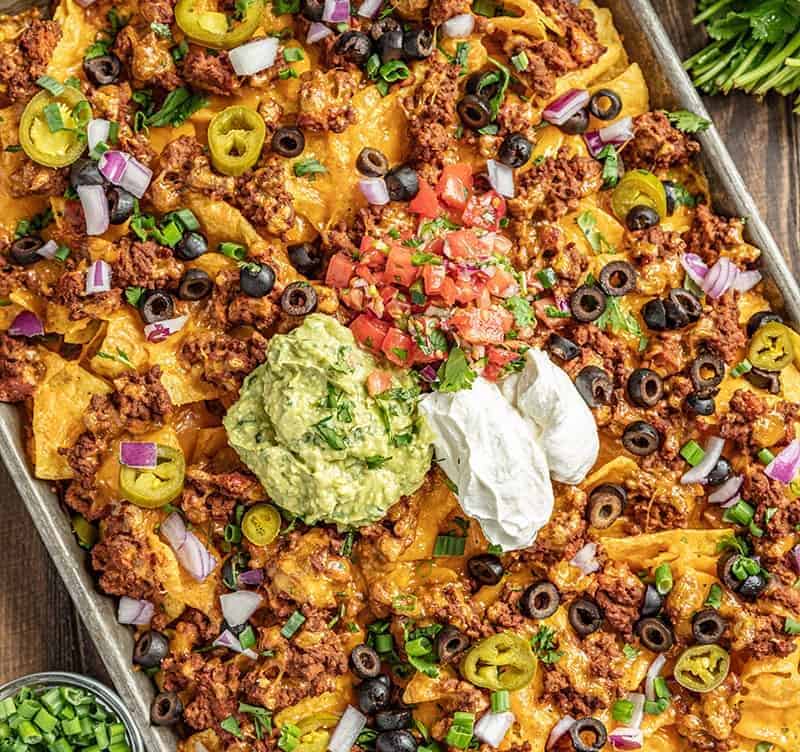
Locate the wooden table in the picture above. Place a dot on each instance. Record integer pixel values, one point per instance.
(39, 626)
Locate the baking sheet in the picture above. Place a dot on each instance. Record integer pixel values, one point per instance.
(647, 43)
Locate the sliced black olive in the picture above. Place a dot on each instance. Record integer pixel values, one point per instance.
(288, 141)
(485, 84)
(312, 9)
(150, 649)
(474, 111)
(563, 348)
(450, 643)
(577, 124)
(720, 472)
(103, 70)
(540, 600)
(233, 566)
(645, 387)
(605, 104)
(617, 278)
(374, 694)
(487, 569)
(372, 163)
(191, 246)
(725, 570)
(298, 299)
(687, 302)
(594, 385)
(418, 44)
(166, 709)
(305, 258)
(655, 635)
(654, 314)
(390, 45)
(587, 303)
(707, 371)
(606, 503)
(365, 662)
(402, 183)
(757, 320)
(677, 318)
(25, 251)
(121, 204)
(641, 217)
(670, 189)
(400, 740)
(708, 626)
(393, 719)
(588, 735)
(195, 284)
(652, 603)
(355, 47)
(256, 280)
(585, 616)
(515, 150)
(640, 438)
(701, 404)
(156, 305)
(382, 25)
(762, 379)
(753, 586)
(84, 172)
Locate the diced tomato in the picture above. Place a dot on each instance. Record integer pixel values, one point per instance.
(463, 245)
(363, 271)
(398, 309)
(353, 298)
(540, 309)
(369, 332)
(482, 326)
(485, 211)
(399, 269)
(498, 358)
(378, 382)
(466, 290)
(502, 284)
(367, 244)
(373, 258)
(340, 271)
(484, 299)
(398, 347)
(454, 185)
(501, 244)
(433, 276)
(448, 292)
(388, 293)
(425, 202)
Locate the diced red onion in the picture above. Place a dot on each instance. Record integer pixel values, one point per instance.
(374, 189)
(141, 454)
(637, 714)
(336, 11)
(428, 373)
(720, 277)
(228, 640)
(731, 502)
(698, 473)
(239, 606)
(458, 26)
(652, 675)
(501, 178)
(493, 727)
(26, 324)
(174, 530)
(369, 8)
(98, 275)
(160, 330)
(132, 611)
(727, 490)
(48, 250)
(95, 208)
(567, 105)
(796, 557)
(85, 3)
(586, 559)
(112, 165)
(593, 142)
(97, 132)
(125, 171)
(617, 133)
(561, 728)
(192, 554)
(350, 725)
(723, 276)
(251, 577)
(623, 737)
(746, 280)
(785, 465)
(253, 57)
(695, 267)
(317, 32)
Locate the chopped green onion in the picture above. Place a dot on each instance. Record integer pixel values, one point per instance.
(233, 250)
(791, 626)
(50, 84)
(745, 567)
(449, 545)
(660, 687)
(741, 513)
(171, 234)
(232, 533)
(547, 277)
(714, 599)
(495, 549)
(293, 623)
(656, 707)
(663, 578)
(692, 452)
(384, 643)
(419, 646)
(520, 61)
(52, 116)
(741, 368)
(501, 701)
(622, 711)
(289, 738)
(62, 253)
(247, 638)
(186, 218)
(765, 456)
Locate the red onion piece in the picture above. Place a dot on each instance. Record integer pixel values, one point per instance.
(48, 250)
(786, 464)
(142, 454)
(253, 57)
(85, 3)
(350, 725)
(746, 280)
(501, 178)
(97, 132)
(230, 641)
(563, 108)
(586, 559)
(251, 577)
(652, 674)
(493, 727)
(461, 25)
(112, 165)
(174, 530)
(132, 611)
(194, 557)
(727, 490)
(795, 552)
(695, 267)
(95, 208)
(720, 277)
(428, 373)
(713, 451)
(160, 330)
(593, 142)
(374, 189)
(239, 606)
(317, 32)
(561, 728)
(731, 502)
(637, 715)
(617, 133)
(623, 737)
(369, 8)
(125, 171)
(98, 275)
(26, 324)
(336, 11)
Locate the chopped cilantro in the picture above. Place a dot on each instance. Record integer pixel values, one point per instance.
(293, 54)
(545, 646)
(161, 30)
(308, 166)
(617, 320)
(521, 308)
(687, 121)
(587, 223)
(610, 160)
(455, 374)
(178, 107)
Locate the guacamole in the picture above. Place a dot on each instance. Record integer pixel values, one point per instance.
(322, 447)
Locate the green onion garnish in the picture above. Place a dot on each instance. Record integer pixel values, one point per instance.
(765, 456)
(692, 452)
(233, 250)
(663, 578)
(741, 513)
(449, 545)
(293, 623)
(622, 711)
(741, 368)
(501, 701)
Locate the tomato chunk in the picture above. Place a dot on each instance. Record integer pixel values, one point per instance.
(454, 185)
(485, 211)
(502, 284)
(340, 271)
(482, 325)
(369, 332)
(378, 382)
(398, 347)
(399, 269)
(433, 276)
(425, 202)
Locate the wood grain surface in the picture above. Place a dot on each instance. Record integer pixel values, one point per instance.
(39, 628)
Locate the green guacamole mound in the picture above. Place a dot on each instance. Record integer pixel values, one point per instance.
(323, 449)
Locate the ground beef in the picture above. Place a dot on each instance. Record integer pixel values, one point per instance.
(396, 531)
(232, 307)
(594, 343)
(646, 246)
(580, 29)
(552, 189)
(142, 401)
(729, 337)
(558, 690)
(707, 721)
(517, 116)
(440, 10)
(145, 264)
(25, 59)
(147, 58)
(33, 179)
(262, 197)
(765, 493)
(20, 369)
(504, 613)
(656, 145)
(225, 360)
(619, 593)
(710, 234)
(652, 504)
(210, 72)
(157, 11)
(212, 496)
(740, 422)
(546, 62)
(762, 636)
(325, 100)
(70, 292)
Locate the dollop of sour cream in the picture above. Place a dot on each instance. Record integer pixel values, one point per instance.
(500, 446)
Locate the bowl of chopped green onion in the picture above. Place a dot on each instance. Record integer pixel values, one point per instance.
(63, 712)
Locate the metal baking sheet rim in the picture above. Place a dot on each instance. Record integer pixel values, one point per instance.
(648, 44)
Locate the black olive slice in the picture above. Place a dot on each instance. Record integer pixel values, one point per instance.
(374, 694)
(655, 634)
(474, 111)
(577, 124)
(298, 299)
(166, 709)
(156, 305)
(365, 662)
(707, 371)
(585, 616)
(720, 472)
(594, 385)
(372, 163)
(487, 569)
(641, 438)
(393, 719)
(701, 404)
(256, 280)
(617, 278)
(539, 600)
(641, 217)
(708, 626)
(605, 104)
(402, 183)
(515, 150)
(588, 735)
(645, 387)
(652, 603)
(418, 44)
(355, 47)
(25, 251)
(687, 302)
(757, 320)
(563, 348)
(606, 503)
(150, 649)
(288, 141)
(654, 313)
(305, 258)
(103, 70)
(450, 643)
(762, 379)
(587, 303)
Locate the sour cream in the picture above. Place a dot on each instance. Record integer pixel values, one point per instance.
(500, 446)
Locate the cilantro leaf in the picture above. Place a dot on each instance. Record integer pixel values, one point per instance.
(687, 121)
(587, 223)
(610, 160)
(455, 374)
(617, 320)
(521, 308)
(545, 646)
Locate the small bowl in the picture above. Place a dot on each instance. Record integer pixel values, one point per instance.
(109, 699)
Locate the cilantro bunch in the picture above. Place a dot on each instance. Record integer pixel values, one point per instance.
(755, 47)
